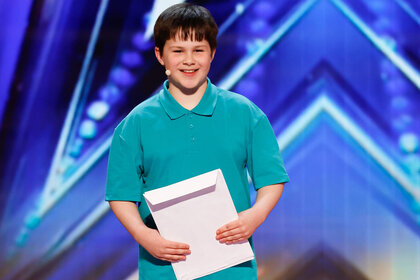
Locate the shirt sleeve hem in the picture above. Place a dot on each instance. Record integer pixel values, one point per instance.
(271, 181)
(122, 198)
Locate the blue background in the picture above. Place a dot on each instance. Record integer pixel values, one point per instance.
(338, 79)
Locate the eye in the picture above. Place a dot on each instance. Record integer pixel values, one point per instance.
(199, 50)
(177, 51)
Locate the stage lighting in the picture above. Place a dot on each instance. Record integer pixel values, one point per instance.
(122, 77)
(396, 86)
(239, 8)
(412, 163)
(131, 59)
(388, 70)
(88, 129)
(402, 122)
(110, 93)
(265, 10)
(98, 110)
(76, 147)
(399, 103)
(260, 28)
(409, 142)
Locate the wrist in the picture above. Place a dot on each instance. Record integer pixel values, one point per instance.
(258, 214)
(143, 234)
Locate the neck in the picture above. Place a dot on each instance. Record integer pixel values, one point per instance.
(187, 98)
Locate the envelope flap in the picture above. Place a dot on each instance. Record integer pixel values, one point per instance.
(182, 188)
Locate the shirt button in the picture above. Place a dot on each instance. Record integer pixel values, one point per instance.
(193, 139)
(191, 125)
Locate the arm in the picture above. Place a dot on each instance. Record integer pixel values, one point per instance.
(250, 219)
(149, 239)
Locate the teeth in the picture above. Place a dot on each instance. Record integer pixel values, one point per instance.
(188, 71)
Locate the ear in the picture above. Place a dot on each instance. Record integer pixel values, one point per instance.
(158, 56)
(212, 55)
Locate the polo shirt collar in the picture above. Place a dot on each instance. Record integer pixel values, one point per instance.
(174, 110)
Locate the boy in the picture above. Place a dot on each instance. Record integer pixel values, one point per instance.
(191, 127)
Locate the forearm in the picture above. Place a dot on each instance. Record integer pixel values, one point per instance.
(128, 214)
(267, 198)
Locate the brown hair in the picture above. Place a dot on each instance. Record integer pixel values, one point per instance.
(187, 21)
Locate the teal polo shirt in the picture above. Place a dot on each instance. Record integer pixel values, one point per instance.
(160, 143)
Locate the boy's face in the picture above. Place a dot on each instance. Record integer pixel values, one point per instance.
(189, 62)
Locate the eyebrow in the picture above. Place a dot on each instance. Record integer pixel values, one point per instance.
(180, 47)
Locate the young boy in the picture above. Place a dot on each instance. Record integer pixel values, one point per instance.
(191, 127)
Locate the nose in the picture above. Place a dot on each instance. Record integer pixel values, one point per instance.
(189, 58)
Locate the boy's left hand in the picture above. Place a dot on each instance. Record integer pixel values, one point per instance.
(240, 229)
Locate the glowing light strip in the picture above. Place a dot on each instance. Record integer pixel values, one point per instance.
(52, 175)
(247, 63)
(233, 17)
(300, 124)
(324, 104)
(373, 149)
(80, 230)
(68, 184)
(409, 71)
(409, 10)
(61, 245)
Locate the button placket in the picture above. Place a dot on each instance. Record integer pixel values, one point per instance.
(191, 128)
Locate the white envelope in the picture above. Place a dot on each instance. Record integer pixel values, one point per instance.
(190, 212)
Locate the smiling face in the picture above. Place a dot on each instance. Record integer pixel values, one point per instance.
(189, 62)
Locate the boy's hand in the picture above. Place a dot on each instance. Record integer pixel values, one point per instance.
(163, 249)
(240, 229)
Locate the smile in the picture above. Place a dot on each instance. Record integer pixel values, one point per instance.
(189, 71)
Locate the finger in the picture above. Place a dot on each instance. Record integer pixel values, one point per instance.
(228, 226)
(178, 251)
(232, 238)
(174, 258)
(229, 233)
(167, 260)
(177, 245)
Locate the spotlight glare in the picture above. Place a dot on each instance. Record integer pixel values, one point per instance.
(98, 110)
(88, 129)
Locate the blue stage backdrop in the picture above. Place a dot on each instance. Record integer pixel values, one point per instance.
(338, 79)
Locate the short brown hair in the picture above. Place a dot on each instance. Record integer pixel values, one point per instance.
(187, 21)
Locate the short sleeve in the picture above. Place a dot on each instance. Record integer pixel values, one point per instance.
(125, 168)
(264, 161)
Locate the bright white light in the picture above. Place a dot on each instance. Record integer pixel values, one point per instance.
(98, 110)
(409, 142)
(239, 9)
(88, 129)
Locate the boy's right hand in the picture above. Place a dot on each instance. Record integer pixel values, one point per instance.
(163, 249)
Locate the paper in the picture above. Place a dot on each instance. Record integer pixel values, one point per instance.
(190, 212)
